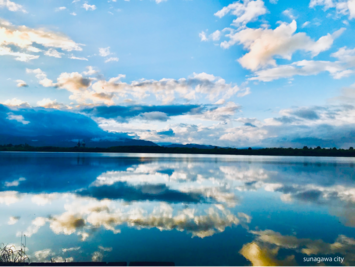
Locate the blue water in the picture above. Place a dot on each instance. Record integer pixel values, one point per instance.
(186, 209)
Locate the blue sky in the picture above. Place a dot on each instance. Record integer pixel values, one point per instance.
(258, 73)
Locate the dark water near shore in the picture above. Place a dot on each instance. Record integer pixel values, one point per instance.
(187, 209)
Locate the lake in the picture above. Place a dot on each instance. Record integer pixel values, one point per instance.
(186, 209)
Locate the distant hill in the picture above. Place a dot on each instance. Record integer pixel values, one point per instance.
(191, 146)
(41, 141)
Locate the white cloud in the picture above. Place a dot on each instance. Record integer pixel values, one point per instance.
(16, 103)
(344, 67)
(12, 6)
(203, 36)
(13, 220)
(9, 197)
(90, 71)
(67, 223)
(70, 249)
(342, 7)
(303, 68)
(157, 1)
(18, 118)
(21, 83)
(36, 224)
(166, 90)
(112, 59)
(289, 13)
(88, 7)
(246, 12)
(24, 38)
(97, 256)
(53, 53)
(44, 199)
(42, 77)
(61, 8)
(305, 24)
(7, 51)
(15, 182)
(264, 44)
(104, 52)
(326, 3)
(42, 255)
(48, 103)
(215, 36)
(78, 58)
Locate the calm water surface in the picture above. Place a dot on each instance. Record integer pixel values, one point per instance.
(191, 210)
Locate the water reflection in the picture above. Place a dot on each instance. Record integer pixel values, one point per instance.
(80, 207)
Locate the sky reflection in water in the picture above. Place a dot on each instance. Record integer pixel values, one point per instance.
(192, 210)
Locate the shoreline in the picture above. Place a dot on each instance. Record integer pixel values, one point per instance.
(308, 152)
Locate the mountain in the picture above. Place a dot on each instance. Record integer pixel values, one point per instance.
(40, 141)
(190, 146)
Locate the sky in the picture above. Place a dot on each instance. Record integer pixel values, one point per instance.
(272, 73)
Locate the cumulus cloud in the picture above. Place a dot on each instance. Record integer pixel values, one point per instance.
(97, 256)
(87, 7)
(260, 256)
(24, 37)
(342, 7)
(337, 70)
(15, 182)
(18, 118)
(13, 220)
(326, 126)
(163, 218)
(36, 224)
(44, 199)
(343, 245)
(215, 36)
(265, 44)
(53, 53)
(21, 83)
(48, 103)
(16, 103)
(42, 255)
(42, 77)
(245, 11)
(73, 82)
(266, 247)
(17, 41)
(323, 125)
(90, 71)
(67, 223)
(166, 90)
(104, 52)
(343, 67)
(12, 6)
(19, 56)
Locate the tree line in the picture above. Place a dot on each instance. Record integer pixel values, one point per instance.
(305, 151)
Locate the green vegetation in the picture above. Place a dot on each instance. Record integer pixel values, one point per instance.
(328, 152)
